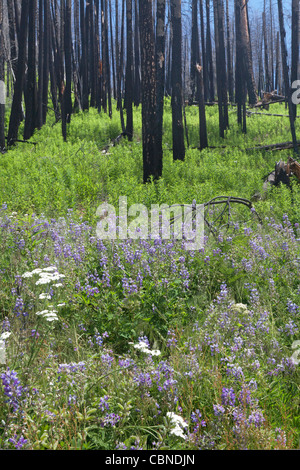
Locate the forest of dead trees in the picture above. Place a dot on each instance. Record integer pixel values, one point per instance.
(61, 56)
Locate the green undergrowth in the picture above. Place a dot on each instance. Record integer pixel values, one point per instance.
(53, 176)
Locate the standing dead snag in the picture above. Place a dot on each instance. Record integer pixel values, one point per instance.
(2, 88)
(160, 76)
(152, 164)
(295, 46)
(129, 74)
(177, 121)
(286, 76)
(16, 109)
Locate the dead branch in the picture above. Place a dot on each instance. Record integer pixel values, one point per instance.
(271, 147)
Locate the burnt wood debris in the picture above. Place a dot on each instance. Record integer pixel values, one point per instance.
(62, 56)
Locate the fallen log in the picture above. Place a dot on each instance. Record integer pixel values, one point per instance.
(271, 147)
(269, 98)
(282, 173)
(23, 141)
(269, 114)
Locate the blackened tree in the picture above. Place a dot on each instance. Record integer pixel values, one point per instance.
(177, 122)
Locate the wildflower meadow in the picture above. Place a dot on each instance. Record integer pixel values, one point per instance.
(140, 344)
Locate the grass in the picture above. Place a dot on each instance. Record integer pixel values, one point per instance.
(138, 344)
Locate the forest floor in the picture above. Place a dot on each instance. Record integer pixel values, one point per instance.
(142, 344)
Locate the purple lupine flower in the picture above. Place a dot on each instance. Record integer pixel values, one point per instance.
(111, 419)
(256, 418)
(19, 307)
(228, 396)
(18, 442)
(292, 308)
(219, 410)
(12, 388)
(103, 404)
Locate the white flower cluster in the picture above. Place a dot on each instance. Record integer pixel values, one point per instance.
(3, 337)
(178, 423)
(47, 275)
(49, 315)
(143, 347)
(294, 357)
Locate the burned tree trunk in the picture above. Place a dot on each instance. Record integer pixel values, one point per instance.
(68, 61)
(84, 58)
(13, 38)
(152, 163)
(204, 60)
(113, 63)
(2, 86)
(129, 74)
(30, 90)
(107, 62)
(160, 75)
(267, 73)
(39, 121)
(229, 61)
(137, 84)
(194, 49)
(277, 68)
(120, 69)
(46, 60)
(295, 47)
(177, 122)
(247, 53)
(221, 66)
(210, 68)
(286, 76)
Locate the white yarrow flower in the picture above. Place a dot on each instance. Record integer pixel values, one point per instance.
(178, 423)
(155, 352)
(5, 335)
(294, 357)
(27, 274)
(43, 280)
(44, 296)
(36, 271)
(50, 269)
(2, 352)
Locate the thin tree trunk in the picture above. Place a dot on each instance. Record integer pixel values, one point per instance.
(277, 72)
(229, 61)
(295, 47)
(68, 61)
(120, 68)
(268, 79)
(194, 50)
(247, 53)
(204, 59)
(39, 121)
(129, 74)
(177, 122)
(84, 56)
(152, 164)
(160, 75)
(46, 61)
(107, 68)
(13, 38)
(288, 89)
(112, 51)
(137, 84)
(31, 91)
(2, 86)
(209, 54)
